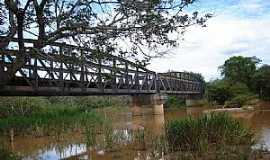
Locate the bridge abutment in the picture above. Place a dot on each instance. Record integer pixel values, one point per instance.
(148, 104)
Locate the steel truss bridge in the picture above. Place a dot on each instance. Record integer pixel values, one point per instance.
(62, 69)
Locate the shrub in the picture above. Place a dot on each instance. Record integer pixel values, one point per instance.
(238, 101)
(233, 94)
(198, 134)
(174, 101)
(218, 91)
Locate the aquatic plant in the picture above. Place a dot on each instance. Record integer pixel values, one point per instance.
(200, 134)
(90, 136)
(138, 137)
(54, 120)
(109, 136)
(7, 155)
(21, 106)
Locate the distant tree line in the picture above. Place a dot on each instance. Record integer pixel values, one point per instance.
(242, 80)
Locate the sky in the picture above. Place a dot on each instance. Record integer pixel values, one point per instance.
(239, 27)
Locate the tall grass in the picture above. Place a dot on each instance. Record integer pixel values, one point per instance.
(41, 114)
(21, 106)
(202, 133)
(7, 155)
(57, 119)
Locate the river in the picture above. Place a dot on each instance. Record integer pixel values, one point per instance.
(73, 146)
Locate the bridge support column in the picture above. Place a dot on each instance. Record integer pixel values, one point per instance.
(148, 104)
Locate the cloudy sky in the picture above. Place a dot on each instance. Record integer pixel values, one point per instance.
(239, 27)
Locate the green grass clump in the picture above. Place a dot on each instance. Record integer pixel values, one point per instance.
(205, 132)
(21, 106)
(55, 118)
(7, 155)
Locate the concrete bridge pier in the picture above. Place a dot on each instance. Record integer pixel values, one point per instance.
(148, 104)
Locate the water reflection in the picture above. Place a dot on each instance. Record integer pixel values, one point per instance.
(73, 146)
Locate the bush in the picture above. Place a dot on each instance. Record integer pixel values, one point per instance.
(218, 91)
(231, 94)
(174, 101)
(198, 134)
(238, 101)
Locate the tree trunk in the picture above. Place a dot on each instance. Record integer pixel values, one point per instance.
(20, 19)
(41, 26)
(20, 58)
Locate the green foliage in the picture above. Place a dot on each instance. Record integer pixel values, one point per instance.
(21, 106)
(7, 155)
(128, 21)
(199, 134)
(241, 81)
(240, 69)
(238, 101)
(234, 94)
(262, 82)
(54, 118)
(174, 101)
(87, 103)
(218, 91)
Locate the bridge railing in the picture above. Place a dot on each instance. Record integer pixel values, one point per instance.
(64, 69)
(180, 83)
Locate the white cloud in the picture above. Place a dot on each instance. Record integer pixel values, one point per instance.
(204, 49)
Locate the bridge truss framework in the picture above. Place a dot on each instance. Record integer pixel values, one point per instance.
(62, 69)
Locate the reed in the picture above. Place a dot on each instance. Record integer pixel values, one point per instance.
(54, 120)
(7, 155)
(203, 133)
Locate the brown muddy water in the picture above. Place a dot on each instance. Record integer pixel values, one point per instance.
(73, 146)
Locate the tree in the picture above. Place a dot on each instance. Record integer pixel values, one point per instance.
(128, 28)
(218, 91)
(101, 24)
(240, 69)
(262, 82)
(234, 94)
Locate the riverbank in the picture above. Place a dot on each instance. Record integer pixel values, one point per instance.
(116, 134)
(40, 115)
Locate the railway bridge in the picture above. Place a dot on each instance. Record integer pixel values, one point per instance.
(60, 69)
